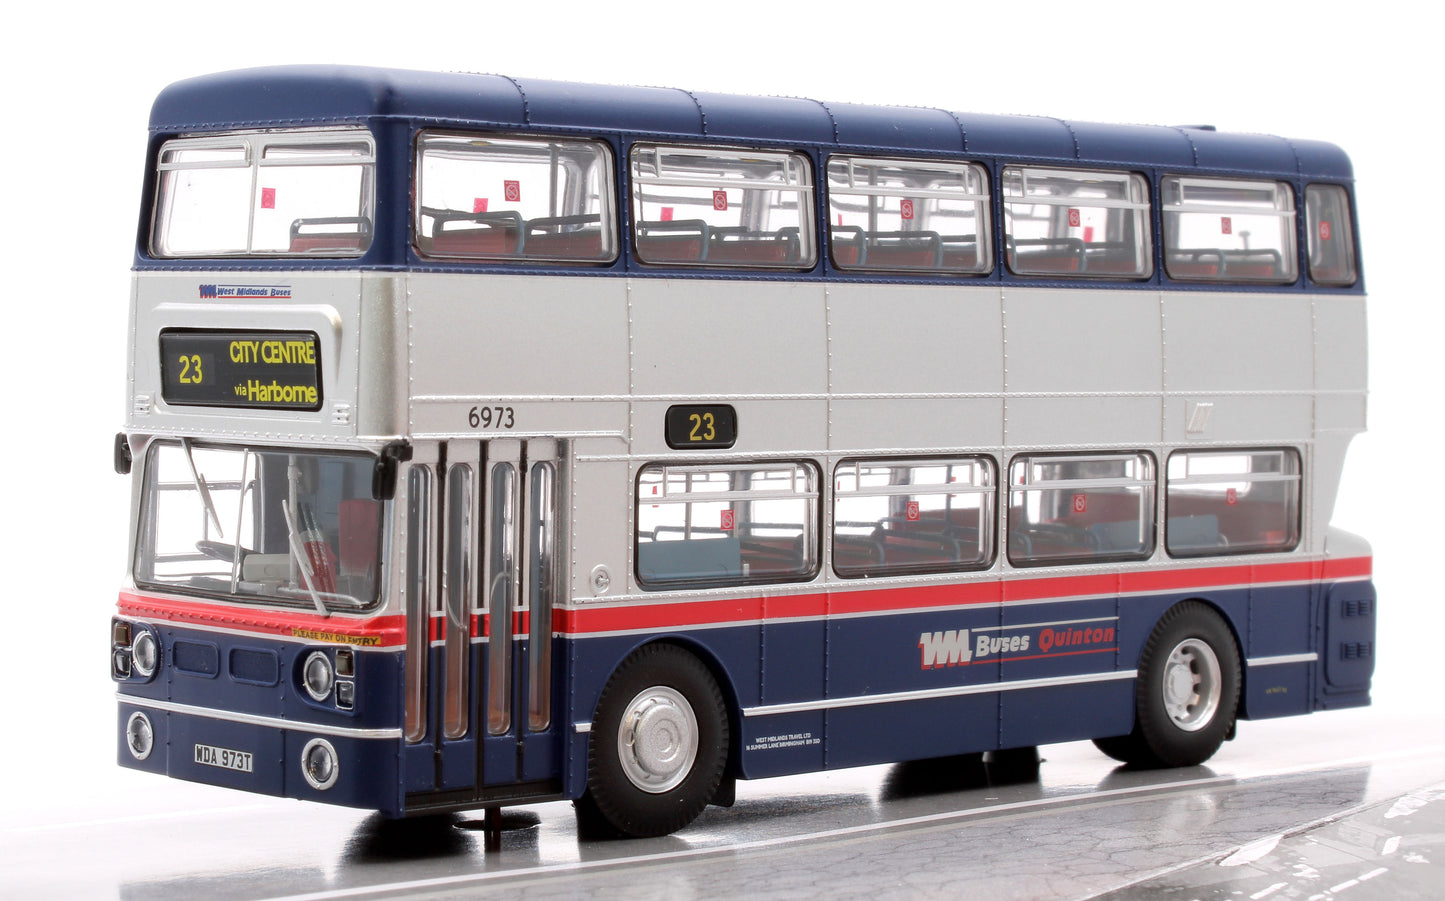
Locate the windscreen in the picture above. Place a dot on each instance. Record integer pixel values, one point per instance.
(260, 524)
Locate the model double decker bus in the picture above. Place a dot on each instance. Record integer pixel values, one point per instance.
(499, 441)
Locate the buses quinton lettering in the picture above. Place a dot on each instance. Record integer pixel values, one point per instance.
(959, 647)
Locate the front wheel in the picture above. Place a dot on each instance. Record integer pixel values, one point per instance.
(1187, 692)
(659, 745)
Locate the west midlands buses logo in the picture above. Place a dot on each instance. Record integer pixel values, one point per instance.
(233, 292)
(960, 647)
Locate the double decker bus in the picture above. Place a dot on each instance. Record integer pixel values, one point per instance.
(498, 441)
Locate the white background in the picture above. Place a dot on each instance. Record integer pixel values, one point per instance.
(79, 82)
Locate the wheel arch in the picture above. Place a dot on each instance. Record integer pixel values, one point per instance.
(1231, 623)
(1220, 610)
(709, 659)
(725, 684)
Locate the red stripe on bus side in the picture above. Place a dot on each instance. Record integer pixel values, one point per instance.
(674, 614)
(389, 631)
(1349, 568)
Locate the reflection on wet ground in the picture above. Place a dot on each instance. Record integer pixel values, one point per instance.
(1391, 850)
(1072, 825)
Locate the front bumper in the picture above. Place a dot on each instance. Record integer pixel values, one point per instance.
(183, 739)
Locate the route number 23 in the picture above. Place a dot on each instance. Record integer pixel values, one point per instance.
(190, 369)
(704, 427)
(694, 426)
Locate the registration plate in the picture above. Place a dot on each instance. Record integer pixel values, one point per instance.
(224, 758)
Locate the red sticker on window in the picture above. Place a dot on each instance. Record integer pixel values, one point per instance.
(906, 209)
(1231, 496)
(268, 198)
(1088, 234)
(1075, 220)
(512, 190)
(913, 514)
(720, 200)
(667, 214)
(1226, 226)
(1081, 503)
(1324, 231)
(727, 520)
(479, 204)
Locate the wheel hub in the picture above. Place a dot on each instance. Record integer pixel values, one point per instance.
(657, 741)
(1193, 685)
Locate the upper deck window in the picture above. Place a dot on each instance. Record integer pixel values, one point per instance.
(494, 198)
(699, 206)
(1076, 223)
(908, 215)
(292, 194)
(1331, 240)
(1226, 230)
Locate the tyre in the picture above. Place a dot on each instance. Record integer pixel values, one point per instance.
(1187, 692)
(659, 746)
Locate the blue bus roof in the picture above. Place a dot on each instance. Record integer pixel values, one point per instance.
(319, 95)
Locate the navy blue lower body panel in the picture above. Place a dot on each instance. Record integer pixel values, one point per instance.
(187, 746)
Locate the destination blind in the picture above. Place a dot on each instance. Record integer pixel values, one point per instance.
(257, 370)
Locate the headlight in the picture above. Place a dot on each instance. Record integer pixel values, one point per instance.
(139, 736)
(318, 676)
(135, 651)
(319, 764)
(144, 653)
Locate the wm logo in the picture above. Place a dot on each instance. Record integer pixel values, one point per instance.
(944, 648)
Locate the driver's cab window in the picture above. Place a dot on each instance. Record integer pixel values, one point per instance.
(289, 526)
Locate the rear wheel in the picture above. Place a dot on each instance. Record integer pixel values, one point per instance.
(1187, 692)
(659, 745)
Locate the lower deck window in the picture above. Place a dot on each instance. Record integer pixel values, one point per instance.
(726, 525)
(893, 517)
(1232, 502)
(1080, 508)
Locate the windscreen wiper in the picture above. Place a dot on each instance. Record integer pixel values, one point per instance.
(298, 553)
(240, 515)
(202, 488)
